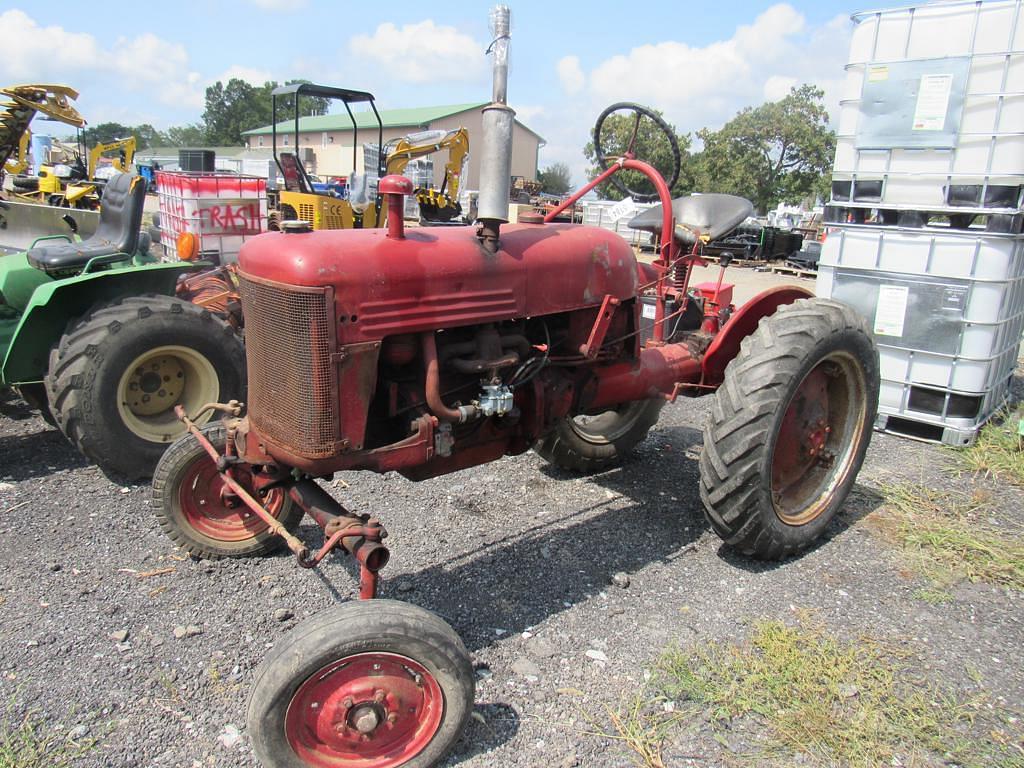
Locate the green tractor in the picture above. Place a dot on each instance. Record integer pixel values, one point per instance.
(92, 334)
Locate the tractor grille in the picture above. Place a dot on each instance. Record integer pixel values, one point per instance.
(288, 340)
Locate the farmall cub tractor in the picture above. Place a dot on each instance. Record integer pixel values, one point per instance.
(432, 350)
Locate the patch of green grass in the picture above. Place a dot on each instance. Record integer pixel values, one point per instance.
(947, 536)
(998, 452)
(933, 596)
(850, 702)
(29, 744)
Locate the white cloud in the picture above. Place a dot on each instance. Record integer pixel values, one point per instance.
(778, 86)
(570, 75)
(699, 86)
(423, 52)
(705, 85)
(145, 63)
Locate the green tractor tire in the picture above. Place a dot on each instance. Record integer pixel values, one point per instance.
(118, 372)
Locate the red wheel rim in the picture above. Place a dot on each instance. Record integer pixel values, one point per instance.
(818, 439)
(204, 507)
(371, 710)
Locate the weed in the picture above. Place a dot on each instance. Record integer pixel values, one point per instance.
(998, 452)
(945, 535)
(850, 703)
(641, 723)
(28, 744)
(933, 596)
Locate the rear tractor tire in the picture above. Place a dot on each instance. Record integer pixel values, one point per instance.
(117, 373)
(369, 684)
(192, 511)
(789, 428)
(595, 442)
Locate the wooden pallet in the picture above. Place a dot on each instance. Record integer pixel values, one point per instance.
(782, 269)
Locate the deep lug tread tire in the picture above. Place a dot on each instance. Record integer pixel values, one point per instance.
(565, 447)
(86, 365)
(167, 479)
(367, 626)
(741, 431)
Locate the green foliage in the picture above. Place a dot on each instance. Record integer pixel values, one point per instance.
(947, 537)
(28, 743)
(238, 106)
(186, 136)
(850, 702)
(651, 146)
(106, 132)
(781, 151)
(999, 450)
(555, 179)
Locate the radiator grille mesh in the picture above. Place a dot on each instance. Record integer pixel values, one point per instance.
(288, 348)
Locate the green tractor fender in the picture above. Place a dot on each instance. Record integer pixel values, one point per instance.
(54, 304)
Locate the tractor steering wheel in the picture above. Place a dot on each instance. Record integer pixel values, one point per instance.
(640, 112)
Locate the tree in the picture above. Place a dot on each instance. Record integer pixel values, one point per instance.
(147, 136)
(555, 179)
(105, 132)
(238, 107)
(651, 146)
(186, 136)
(778, 152)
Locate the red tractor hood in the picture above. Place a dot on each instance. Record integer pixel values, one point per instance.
(442, 277)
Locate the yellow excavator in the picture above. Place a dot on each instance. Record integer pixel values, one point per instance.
(436, 205)
(18, 105)
(299, 199)
(74, 183)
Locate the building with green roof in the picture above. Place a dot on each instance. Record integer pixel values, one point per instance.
(325, 141)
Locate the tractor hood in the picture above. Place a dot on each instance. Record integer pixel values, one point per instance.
(442, 277)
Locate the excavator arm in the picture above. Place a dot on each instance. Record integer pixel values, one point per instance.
(122, 161)
(438, 204)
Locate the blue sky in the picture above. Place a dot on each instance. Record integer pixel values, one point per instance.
(699, 62)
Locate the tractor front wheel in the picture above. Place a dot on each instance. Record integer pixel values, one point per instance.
(119, 371)
(199, 514)
(789, 428)
(369, 684)
(590, 443)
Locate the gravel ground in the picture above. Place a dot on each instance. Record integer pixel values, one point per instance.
(517, 556)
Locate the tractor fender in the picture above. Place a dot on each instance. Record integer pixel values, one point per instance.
(726, 344)
(54, 304)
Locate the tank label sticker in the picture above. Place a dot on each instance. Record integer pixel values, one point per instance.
(891, 311)
(878, 74)
(622, 209)
(932, 102)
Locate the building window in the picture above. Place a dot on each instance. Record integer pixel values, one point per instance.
(286, 141)
(261, 141)
(323, 139)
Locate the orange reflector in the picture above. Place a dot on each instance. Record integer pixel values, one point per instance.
(187, 246)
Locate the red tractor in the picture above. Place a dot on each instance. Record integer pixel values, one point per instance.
(432, 350)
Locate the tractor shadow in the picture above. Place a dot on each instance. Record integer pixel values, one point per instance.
(646, 515)
(651, 513)
(30, 455)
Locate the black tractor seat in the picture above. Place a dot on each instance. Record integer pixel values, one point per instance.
(698, 216)
(117, 233)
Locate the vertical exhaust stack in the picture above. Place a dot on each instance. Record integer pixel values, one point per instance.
(498, 117)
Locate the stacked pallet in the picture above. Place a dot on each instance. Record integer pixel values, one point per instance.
(926, 216)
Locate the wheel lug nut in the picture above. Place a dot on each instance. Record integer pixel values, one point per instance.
(378, 696)
(347, 703)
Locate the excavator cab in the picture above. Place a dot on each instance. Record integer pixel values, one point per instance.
(299, 199)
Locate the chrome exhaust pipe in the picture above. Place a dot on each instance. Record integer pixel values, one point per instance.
(498, 119)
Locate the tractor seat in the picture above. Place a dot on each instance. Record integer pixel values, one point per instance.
(698, 216)
(118, 231)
